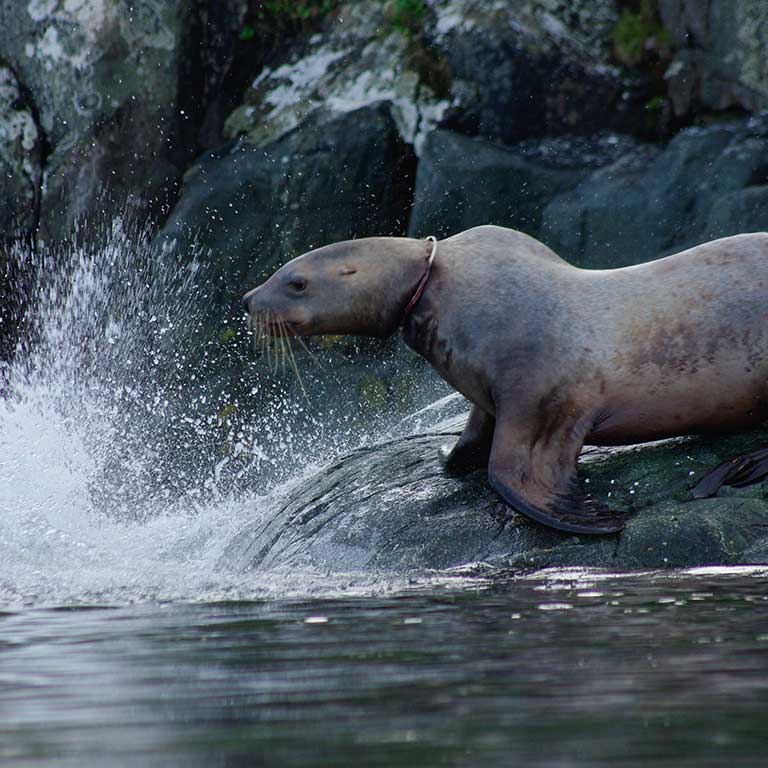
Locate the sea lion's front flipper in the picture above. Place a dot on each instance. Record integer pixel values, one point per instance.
(541, 483)
(473, 448)
(747, 469)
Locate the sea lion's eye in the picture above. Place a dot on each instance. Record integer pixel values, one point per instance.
(297, 283)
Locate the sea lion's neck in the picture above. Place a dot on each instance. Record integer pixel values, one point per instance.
(422, 329)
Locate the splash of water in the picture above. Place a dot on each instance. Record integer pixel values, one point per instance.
(119, 478)
(111, 479)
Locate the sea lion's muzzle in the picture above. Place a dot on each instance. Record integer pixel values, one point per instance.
(246, 301)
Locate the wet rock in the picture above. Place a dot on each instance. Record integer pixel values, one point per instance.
(246, 210)
(21, 158)
(362, 56)
(707, 183)
(392, 508)
(104, 78)
(250, 209)
(532, 69)
(20, 161)
(463, 182)
(722, 44)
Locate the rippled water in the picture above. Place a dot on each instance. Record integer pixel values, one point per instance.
(560, 670)
(125, 641)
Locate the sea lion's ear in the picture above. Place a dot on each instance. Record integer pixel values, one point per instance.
(347, 271)
(545, 487)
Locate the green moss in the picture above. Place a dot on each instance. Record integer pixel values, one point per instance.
(629, 36)
(226, 413)
(298, 10)
(639, 32)
(408, 16)
(247, 32)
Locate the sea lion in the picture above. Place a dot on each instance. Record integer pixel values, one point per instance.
(552, 356)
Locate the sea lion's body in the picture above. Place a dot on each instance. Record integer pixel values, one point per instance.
(553, 356)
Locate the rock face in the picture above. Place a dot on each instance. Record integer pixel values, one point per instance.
(361, 58)
(721, 60)
(707, 183)
(393, 508)
(104, 78)
(254, 208)
(245, 210)
(531, 69)
(465, 182)
(20, 160)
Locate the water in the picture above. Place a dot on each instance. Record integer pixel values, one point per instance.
(564, 670)
(125, 641)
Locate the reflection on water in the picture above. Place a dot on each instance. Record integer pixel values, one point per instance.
(564, 669)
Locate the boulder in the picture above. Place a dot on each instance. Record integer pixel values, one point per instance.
(113, 89)
(721, 53)
(707, 183)
(464, 182)
(391, 507)
(250, 209)
(104, 81)
(365, 54)
(20, 160)
(243, 212)
(532, 69)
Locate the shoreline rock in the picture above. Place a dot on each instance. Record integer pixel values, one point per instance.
(392, 508)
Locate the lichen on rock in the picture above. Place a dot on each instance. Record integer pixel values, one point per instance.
(360, 59)
(20, 160)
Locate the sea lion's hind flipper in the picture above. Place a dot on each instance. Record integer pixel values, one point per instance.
(747, 469)
(571, 512)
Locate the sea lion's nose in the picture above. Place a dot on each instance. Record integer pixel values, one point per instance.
(246, 301)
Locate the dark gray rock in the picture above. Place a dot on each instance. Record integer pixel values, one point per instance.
(20, 161)
(246, 210)
(531, 70)
(707, 183)
(463, 182)
(720, 61)
(393, 508)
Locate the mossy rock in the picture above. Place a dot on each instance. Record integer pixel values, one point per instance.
(392, 508)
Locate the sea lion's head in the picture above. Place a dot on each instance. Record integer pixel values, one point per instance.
(358, 287)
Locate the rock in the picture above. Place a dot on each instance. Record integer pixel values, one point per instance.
(532, 69)
(463, 182)
(723, 43)
(103, 76)
(707, 183)
(21, 158)
(250, 209)
(361, 57)
(120, 92)
(20, 161)
(391, 507)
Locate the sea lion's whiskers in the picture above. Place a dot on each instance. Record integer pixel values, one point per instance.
(296, 371)
(283, 342)
(311, 354)
(267, 322)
